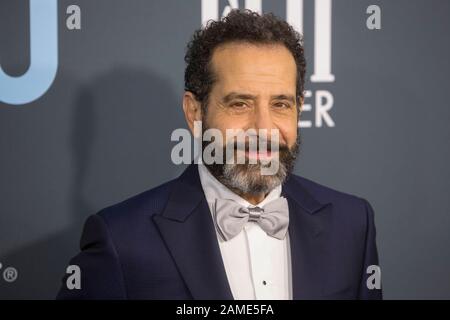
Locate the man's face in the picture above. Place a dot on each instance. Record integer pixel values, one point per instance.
(254, 88)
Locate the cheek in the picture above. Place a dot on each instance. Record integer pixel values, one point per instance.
(290, 136)
(213, 120)
(222, 121)
(288, 131)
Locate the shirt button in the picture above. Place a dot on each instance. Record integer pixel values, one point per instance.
(264, 282)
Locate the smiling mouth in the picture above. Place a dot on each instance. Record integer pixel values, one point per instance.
(259, 155)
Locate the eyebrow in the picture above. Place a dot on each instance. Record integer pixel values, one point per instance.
(245, 96)
(287, 97)
(236, 95)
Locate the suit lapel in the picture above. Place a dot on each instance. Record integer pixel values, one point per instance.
(189, 233)
(309, 225)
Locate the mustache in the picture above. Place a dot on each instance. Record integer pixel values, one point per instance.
(257, 146)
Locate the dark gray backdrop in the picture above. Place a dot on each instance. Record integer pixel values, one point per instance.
(101, 133)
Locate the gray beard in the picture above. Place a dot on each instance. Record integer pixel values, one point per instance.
(247, 178)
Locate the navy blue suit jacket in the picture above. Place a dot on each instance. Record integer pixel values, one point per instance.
(162, 244)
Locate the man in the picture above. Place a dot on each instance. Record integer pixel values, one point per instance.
(225, 230)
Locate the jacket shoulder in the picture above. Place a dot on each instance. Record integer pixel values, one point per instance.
(351, 212)
(324, 193)
(144, 204)
(346, 205)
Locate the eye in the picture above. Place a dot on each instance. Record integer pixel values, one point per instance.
(239, 105)
(282, 105)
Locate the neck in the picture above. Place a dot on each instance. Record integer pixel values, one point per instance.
(254, 199)
(251, 197)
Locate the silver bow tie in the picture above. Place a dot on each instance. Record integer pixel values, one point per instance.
(231, 217)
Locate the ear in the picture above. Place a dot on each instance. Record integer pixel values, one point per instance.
(192, 109)
(302, 100)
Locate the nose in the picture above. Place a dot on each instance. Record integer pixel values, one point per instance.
(263, 118)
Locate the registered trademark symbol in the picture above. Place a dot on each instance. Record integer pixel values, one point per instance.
(10, 274)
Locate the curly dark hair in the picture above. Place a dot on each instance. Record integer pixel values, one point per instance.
(238, 25)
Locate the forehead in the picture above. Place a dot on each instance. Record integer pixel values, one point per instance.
(247, 66)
